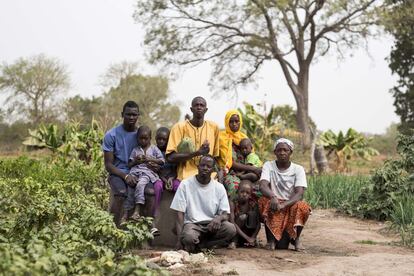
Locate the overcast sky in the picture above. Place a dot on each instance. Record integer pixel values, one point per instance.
(89, 35)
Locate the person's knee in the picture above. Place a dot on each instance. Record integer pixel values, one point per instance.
(149, 192)
(158, 185)
(229, 229)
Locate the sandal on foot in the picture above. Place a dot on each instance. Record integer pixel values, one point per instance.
(155, 232)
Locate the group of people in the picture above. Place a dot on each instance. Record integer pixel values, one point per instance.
(223, 191)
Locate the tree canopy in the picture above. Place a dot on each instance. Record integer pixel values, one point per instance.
(151, 94)
(238, 37)
(399, 21)
(33, 84)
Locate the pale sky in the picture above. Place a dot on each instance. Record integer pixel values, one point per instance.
(89, 35)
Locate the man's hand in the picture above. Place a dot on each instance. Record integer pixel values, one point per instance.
(131, 180)
(214, 225)
(250, 241)
(205, 148)
(274, 204)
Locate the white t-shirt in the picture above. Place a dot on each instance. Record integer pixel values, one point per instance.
(200, 202)
(283, 183)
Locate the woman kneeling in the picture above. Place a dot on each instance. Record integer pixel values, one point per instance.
(283, 184)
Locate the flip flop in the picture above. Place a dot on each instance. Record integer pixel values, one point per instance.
(155, 232)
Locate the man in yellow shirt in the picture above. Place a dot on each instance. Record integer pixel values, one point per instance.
(202, 135)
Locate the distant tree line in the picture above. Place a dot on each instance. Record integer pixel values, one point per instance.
(34, 90)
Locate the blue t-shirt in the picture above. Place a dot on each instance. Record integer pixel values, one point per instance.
(121, 143)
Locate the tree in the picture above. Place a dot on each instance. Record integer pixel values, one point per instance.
(116, 72)
(83, 110)
(238, 37)
(263, 129)
(151, 94)
(399, 21)
(33, 84)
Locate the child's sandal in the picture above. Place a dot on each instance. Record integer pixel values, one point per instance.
(168, 185)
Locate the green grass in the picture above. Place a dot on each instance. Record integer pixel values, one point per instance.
(332, 191)
(402, 218)
(370, 242)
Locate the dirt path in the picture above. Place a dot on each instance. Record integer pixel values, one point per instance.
(335, 245)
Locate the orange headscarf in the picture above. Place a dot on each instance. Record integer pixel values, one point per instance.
(227, 137)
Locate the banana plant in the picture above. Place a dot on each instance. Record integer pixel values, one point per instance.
(76, 142)
(45, 136)
(262, 129)
(345, 146)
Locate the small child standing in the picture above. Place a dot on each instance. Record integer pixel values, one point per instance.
(244, 214)
(139, 162)
(250, 158)
(167, 173)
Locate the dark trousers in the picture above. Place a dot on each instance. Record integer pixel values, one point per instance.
(197, 235)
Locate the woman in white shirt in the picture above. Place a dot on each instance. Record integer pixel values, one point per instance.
(283, 184)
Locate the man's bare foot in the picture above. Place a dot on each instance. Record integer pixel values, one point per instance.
(298, 245)
(135, 216)
(232, 245)
(123, 220)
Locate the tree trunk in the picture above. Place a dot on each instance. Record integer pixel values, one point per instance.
(302, 104)
(321, 160)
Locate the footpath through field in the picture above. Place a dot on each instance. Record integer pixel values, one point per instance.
(335, 245)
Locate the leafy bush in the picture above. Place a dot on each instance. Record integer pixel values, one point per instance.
(388, 184)
(53, 221)
(78, 142)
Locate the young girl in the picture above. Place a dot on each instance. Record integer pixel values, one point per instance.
(244, 214)
(141, 156)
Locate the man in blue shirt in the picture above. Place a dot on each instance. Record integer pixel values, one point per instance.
(117, 147)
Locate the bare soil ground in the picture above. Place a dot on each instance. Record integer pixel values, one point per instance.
(334, 245)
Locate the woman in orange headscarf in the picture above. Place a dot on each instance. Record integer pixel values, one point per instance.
(230, 158)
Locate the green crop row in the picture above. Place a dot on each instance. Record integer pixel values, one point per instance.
(53, 221)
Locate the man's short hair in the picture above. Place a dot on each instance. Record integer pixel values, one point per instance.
(198, 98)
(209, 156)
(130, 104)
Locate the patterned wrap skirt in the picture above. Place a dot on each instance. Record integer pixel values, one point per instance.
(285, 220)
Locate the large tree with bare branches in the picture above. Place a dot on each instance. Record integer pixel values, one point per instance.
(239, 36)
(32, 86)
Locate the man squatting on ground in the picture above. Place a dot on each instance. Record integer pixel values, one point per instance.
(202, 210)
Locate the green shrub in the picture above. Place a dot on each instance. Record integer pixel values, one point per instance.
(53, 222)
(388, 183)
